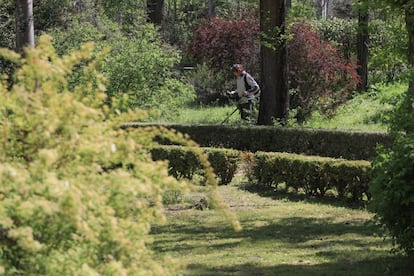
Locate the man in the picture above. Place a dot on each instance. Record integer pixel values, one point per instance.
(247, 91)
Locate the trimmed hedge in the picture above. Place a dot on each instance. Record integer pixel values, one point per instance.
(350, 145)
(314, 174)
(183, 161)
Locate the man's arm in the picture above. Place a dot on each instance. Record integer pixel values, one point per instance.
(254, 87)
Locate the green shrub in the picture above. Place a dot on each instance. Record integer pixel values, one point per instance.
(392, 189)
(78, 194)
(312, 174)
(387, 44)
(354, 145)
(139, 67)
(184, 162)
(341, 33)
(392, 186)
(211, 84)
(388, 49)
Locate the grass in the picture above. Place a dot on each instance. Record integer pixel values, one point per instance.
(280, 236)
(207, 115)
(367, 112)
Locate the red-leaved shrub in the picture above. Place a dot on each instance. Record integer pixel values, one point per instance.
(222, 42)
(320, 77)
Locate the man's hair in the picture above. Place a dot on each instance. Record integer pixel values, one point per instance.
(236, 67)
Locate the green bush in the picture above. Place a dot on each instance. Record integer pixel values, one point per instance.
(352, 145)
(392, 186)
(314, 175)
(387, 44)
(139, 67)
(184, 162)
(388, 50)
(78, 194)
(341, 33)
(393, 192)
(211, 84)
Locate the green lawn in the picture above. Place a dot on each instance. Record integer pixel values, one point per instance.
(280, 236)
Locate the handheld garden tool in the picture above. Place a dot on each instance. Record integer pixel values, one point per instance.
(228, 116)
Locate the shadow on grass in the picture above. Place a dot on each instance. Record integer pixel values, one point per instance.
(392, 265)
(333, 247)
(347, 248)
(292, 230)
(281, 194)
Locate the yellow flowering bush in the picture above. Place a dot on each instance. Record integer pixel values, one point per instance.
(78, 194)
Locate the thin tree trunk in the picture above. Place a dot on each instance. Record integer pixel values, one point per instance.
(274, 101)
(363, 37)
(409, 20)
(155, 11)
(288, 5)
(324, 9)
(211, 10)
(24, 24)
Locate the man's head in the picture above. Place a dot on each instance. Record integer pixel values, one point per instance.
(237, 69)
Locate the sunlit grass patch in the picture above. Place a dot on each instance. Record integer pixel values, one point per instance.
(368, 111)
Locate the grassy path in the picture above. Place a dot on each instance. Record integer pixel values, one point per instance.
(280, 236)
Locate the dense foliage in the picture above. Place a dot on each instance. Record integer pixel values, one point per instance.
(333, 77)
(223, 42)
(78, 194)
(387, 44)
(388, 50)
(139, 66)
(63, 209)
(393, 184)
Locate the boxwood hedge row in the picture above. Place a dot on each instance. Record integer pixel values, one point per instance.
(266, 170)
(183, 161)
(350, 145)
(313, 174)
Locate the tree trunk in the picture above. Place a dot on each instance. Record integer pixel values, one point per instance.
(274, 101)
(288, 5)
(363, 48)
(409, 21)
(155, 11)
(24, 24)
(211, 9)
(324, 9)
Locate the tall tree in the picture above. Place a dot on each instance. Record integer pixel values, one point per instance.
(155, 11)
(274, 102)
(24, 24)
(362, 47)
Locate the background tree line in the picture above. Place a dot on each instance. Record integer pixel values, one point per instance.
(238, 37)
